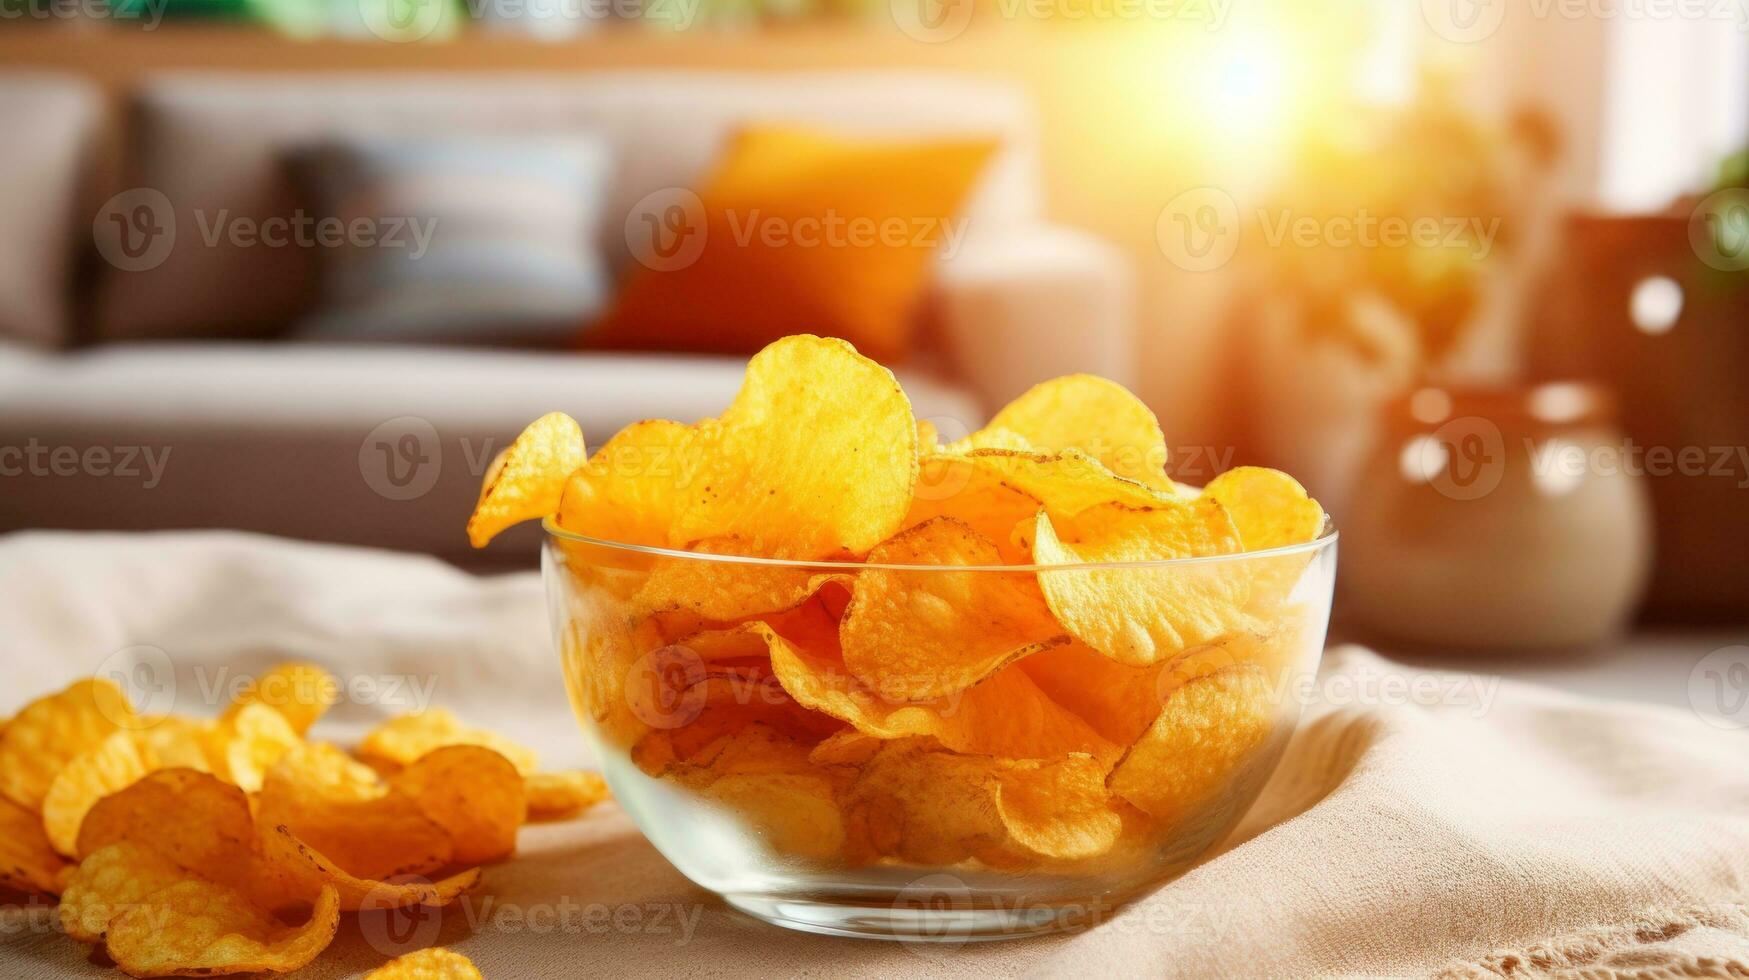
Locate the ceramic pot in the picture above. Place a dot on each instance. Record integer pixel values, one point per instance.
(1497, 517)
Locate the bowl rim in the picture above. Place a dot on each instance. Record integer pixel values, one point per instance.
(1326, 539)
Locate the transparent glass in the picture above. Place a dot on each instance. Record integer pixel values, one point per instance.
(823, 835)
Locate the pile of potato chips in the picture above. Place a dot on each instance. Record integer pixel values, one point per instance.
(961, 653)
(201, 847)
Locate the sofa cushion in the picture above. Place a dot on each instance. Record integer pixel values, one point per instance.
(456, 241)
(49, 122)
(371, 445)
(212, 145)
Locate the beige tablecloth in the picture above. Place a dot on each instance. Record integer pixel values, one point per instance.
(1420, 823)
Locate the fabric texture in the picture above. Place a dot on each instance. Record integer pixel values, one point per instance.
(1420, 824)
(458, 241)
(797, 231)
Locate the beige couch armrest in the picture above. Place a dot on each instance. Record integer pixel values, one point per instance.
(1034, 304)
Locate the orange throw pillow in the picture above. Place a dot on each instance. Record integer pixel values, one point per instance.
(802, 233)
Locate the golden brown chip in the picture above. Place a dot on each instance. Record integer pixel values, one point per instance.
(795, 814)
(1056, 809)
(1117, 701)
(1067, 482)
(28, 862)
(1268, 508)
(634, 489)
(435, 963)
(245, 745)
(1098, 417)
(198, 928)
(562, 795)
(52, 731)
(726, 591)
(527, 479)
(110, 881)
(405, 739)
(916, 635)
(1142, 616)
(339, 807)
(302, 692)
(1209, 729)
(191, 818)
(1005, 714)
(474, 794)
(178, 743)
(914, 802)
(817, 455)
(115, 764)
(966, 490)
(306, 871)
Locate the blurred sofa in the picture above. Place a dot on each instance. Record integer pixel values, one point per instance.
(169, 396)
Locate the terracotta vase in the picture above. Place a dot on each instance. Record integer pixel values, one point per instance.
(1497, 517)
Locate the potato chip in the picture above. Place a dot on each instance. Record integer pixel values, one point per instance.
(192, 818)
(526, 481)
(198, 928)
(405, 739)
(635, 487)
(178, 743)
(1056, 809)
(795, 814)
(1142, 616)
(434, 963)
(1268, 508)
(338, 806)
(1210, 727)
(914, 802)
(245, 745)
(302, 692)
(474, 794)
(1117, 701)
(110, 881)
(52, 731)
(562, 795)
(916, 635)
(1005, 714)
(1066, 482)
(726, 591)
(816, 455)
(28, 862)
(952, 486)
(308, 871)
(1082, 412)
(115, 764)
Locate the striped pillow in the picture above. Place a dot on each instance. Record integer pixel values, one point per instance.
(452, 241)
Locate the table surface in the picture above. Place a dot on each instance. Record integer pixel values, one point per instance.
(1656, 665)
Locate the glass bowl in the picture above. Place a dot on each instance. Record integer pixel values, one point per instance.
(1055, 788)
